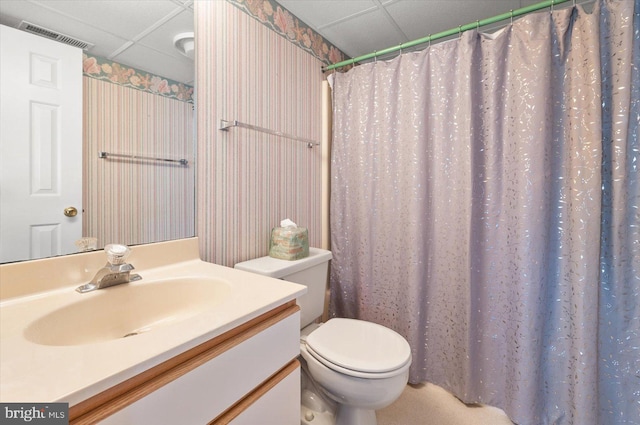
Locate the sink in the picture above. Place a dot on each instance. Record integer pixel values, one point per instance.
(127, 310)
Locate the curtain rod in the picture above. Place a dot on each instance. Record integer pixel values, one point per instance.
(477, 24)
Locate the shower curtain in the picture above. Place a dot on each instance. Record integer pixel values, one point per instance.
(485, 204)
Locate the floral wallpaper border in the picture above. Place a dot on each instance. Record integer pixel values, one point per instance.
(283, 22)
(103, 69)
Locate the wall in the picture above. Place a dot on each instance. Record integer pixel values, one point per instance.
(254, 71)
(129, 112)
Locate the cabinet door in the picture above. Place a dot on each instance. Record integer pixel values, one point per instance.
(279, 406)
(209, 390)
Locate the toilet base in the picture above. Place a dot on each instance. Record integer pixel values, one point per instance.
(349, 415)
(315, 409)
(312, 417)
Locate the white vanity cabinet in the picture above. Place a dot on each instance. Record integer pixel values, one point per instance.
(246, 376)
(219, 345)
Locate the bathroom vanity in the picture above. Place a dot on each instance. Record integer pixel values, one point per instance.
(191, 342)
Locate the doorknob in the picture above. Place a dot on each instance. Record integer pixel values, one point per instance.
(70, 211)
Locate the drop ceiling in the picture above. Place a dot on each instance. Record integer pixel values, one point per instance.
(359, 27)
(139, 33)
(136, 33)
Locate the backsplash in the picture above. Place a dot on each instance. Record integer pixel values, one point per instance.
(247, 180)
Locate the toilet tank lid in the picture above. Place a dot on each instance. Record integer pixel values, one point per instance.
(277, 268)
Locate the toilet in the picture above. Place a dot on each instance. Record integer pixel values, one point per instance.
(359, 366)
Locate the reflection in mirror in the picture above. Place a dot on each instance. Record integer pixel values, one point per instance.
(137, 138)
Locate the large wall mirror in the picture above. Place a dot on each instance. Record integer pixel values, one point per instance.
(137, 119)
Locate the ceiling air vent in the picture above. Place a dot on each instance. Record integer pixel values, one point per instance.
(54, 35)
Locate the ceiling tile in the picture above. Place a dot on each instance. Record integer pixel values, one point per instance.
(124, 18)
(161, 39)
(13, 12)
(165, 65)
(320, 13)
(417, 18)
(355, 36)
(113, 24)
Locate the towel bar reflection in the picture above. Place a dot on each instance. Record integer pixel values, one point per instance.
(105, 155)
(225, 125)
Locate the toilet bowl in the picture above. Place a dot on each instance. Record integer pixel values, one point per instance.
(359, 366)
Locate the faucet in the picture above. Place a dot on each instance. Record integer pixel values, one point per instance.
(115, 272)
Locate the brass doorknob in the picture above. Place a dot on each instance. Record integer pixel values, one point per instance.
(70, 211)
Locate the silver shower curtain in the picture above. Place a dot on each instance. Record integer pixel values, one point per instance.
(485, 204)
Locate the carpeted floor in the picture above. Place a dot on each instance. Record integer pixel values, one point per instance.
(428, 404)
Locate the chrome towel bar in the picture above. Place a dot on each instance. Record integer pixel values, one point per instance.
(225, 125)
(105, 155)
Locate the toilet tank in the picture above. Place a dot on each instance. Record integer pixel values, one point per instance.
(311, 271)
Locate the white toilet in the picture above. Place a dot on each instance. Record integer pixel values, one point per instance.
(359, 365)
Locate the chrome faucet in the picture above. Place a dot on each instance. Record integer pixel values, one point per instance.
(115, 272)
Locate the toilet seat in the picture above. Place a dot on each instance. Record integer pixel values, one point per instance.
(359, 348)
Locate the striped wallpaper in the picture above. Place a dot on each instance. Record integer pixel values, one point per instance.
(248, 181)
(134, 201)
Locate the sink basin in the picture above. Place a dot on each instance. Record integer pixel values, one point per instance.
(127, 310)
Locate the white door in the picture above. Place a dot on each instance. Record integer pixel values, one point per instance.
(40, 146)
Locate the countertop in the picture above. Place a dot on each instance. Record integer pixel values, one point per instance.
(31, 372)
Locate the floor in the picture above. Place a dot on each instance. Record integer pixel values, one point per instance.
(428, 404)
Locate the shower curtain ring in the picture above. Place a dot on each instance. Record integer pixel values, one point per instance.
(511, 13)
(459, 31)
(553, 2)
(429, 40)
(375, 56)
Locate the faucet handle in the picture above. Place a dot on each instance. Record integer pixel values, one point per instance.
(117, 254)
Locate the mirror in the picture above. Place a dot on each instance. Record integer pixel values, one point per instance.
(138, 135)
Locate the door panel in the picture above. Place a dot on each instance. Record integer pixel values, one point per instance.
(40, 146)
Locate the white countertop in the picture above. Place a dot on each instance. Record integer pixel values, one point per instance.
(31, 372)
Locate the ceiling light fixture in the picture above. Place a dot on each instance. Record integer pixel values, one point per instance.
(185, 43)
